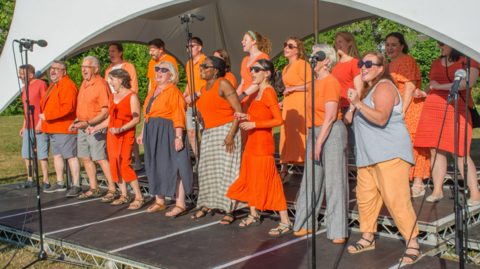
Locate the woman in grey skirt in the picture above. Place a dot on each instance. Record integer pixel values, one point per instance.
(330, 157)
(221, 148)
(167, 159)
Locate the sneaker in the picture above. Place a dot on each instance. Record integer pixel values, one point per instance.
(74, 191)
(27, 184)
(44, 186)
(137, 166)
(55, 188)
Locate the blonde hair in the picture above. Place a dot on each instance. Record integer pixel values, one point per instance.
(302, 53)
(353, 50)
(263, 43)
(330, 52)
(172, 70)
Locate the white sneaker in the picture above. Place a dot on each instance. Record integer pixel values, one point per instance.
(137, 166)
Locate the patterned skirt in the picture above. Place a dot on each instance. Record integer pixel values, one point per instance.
(217, 169)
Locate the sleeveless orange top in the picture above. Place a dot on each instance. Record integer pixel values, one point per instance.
(215, 110)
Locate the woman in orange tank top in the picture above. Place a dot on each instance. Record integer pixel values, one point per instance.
(221, 146)
(259, 47)
(259, 183)
(292, 133)
(124, 115)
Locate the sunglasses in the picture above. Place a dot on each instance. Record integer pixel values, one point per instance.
(256, 69)
(205, 66)
(440, 44)
(290, 46)
(191, 46)
(161, 69)
(368, 64)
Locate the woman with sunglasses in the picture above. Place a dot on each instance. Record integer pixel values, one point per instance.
(221, 144)
(384, 156)
(222, 54)
(124, 115)
(259, 47)
(442, 74)
(259, 183)
(292, 133)
(167, 155)
(348, 74)
(406, 72)
(330, 157)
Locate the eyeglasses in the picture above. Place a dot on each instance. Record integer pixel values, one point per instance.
(256, 69)
(205, 66)
(440, 44)
(87, 66)
(191, 46)
(368, 64)
(290, 46)
(56, 68)
(161, 69)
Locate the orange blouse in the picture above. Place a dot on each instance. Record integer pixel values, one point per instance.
(169, 104)
(326, 90)
(230, 77)
(216, 111)
(295, 74)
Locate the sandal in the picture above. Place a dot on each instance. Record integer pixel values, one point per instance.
(418, 190)
(285, 172)
(207, 212)
(303, 232)
(338, 241)
(360, 248)
(122, 200)
(94, 194)
(136, 206)
(413, 257)
(152, 208)
(256, 221)
(181, 213)
(109, 199)
(281, 231)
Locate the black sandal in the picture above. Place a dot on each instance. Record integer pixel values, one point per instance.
(413, 257)
(360, 248)
(256, 221)
(205, 213)
(226, 220)
(281, 231)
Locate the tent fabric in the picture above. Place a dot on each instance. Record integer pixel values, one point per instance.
(71, 27)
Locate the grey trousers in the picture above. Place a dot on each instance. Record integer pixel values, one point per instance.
(331, 180)
(350, 134)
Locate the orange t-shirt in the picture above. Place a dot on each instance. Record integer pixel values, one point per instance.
(130, 68)
(326, 90)
(36, 90)
(199, 83)
(151, 68)
(169, 104)
(92, 98)
(230, 77)
(295, 74)
(58, 105)
(245, 70)
(345, 73)
(216, 111)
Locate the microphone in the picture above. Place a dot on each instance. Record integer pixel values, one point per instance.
(199, 17)
(187, 17)
(319, 56)
(28, 43)
(460, 74)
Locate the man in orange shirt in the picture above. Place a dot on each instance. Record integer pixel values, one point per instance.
(193, 87)
(115, 51)
(57, 112)
(92, 109)
(156, 49)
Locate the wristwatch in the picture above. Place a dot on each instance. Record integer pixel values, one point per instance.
(179, 137)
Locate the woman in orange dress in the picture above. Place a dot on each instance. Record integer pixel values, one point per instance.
(259, 47)
(292, 133)
(406, 72)
(442, 74)
(124, 115)
(259, 183)
(222, 54)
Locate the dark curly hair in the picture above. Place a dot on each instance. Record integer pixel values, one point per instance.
(218, 64)
(275, 76)
(123, 75)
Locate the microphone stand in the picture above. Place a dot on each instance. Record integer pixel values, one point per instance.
(465, 164)
(32, 157)
(313, 64)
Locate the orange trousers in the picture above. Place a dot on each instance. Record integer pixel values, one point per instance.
(386, 182)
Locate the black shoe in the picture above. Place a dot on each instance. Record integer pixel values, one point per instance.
(27, 184)
(55, 188)
(74, 191)
(44, 186)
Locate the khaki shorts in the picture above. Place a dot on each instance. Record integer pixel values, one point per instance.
(92, 146)
(190, 122)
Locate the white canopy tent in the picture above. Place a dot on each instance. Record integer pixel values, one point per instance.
(71, 27)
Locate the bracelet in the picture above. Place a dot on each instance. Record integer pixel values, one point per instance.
(88, 124)
(231, 133)
(349, 110)
(360, 107)
(121, 129)
(195, 95)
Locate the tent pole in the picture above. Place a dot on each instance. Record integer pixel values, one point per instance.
(220, 29)
(315, 20)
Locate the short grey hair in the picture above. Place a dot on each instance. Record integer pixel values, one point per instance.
(330, 52)
(171, 68)
(95, 61)
(64, 64)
